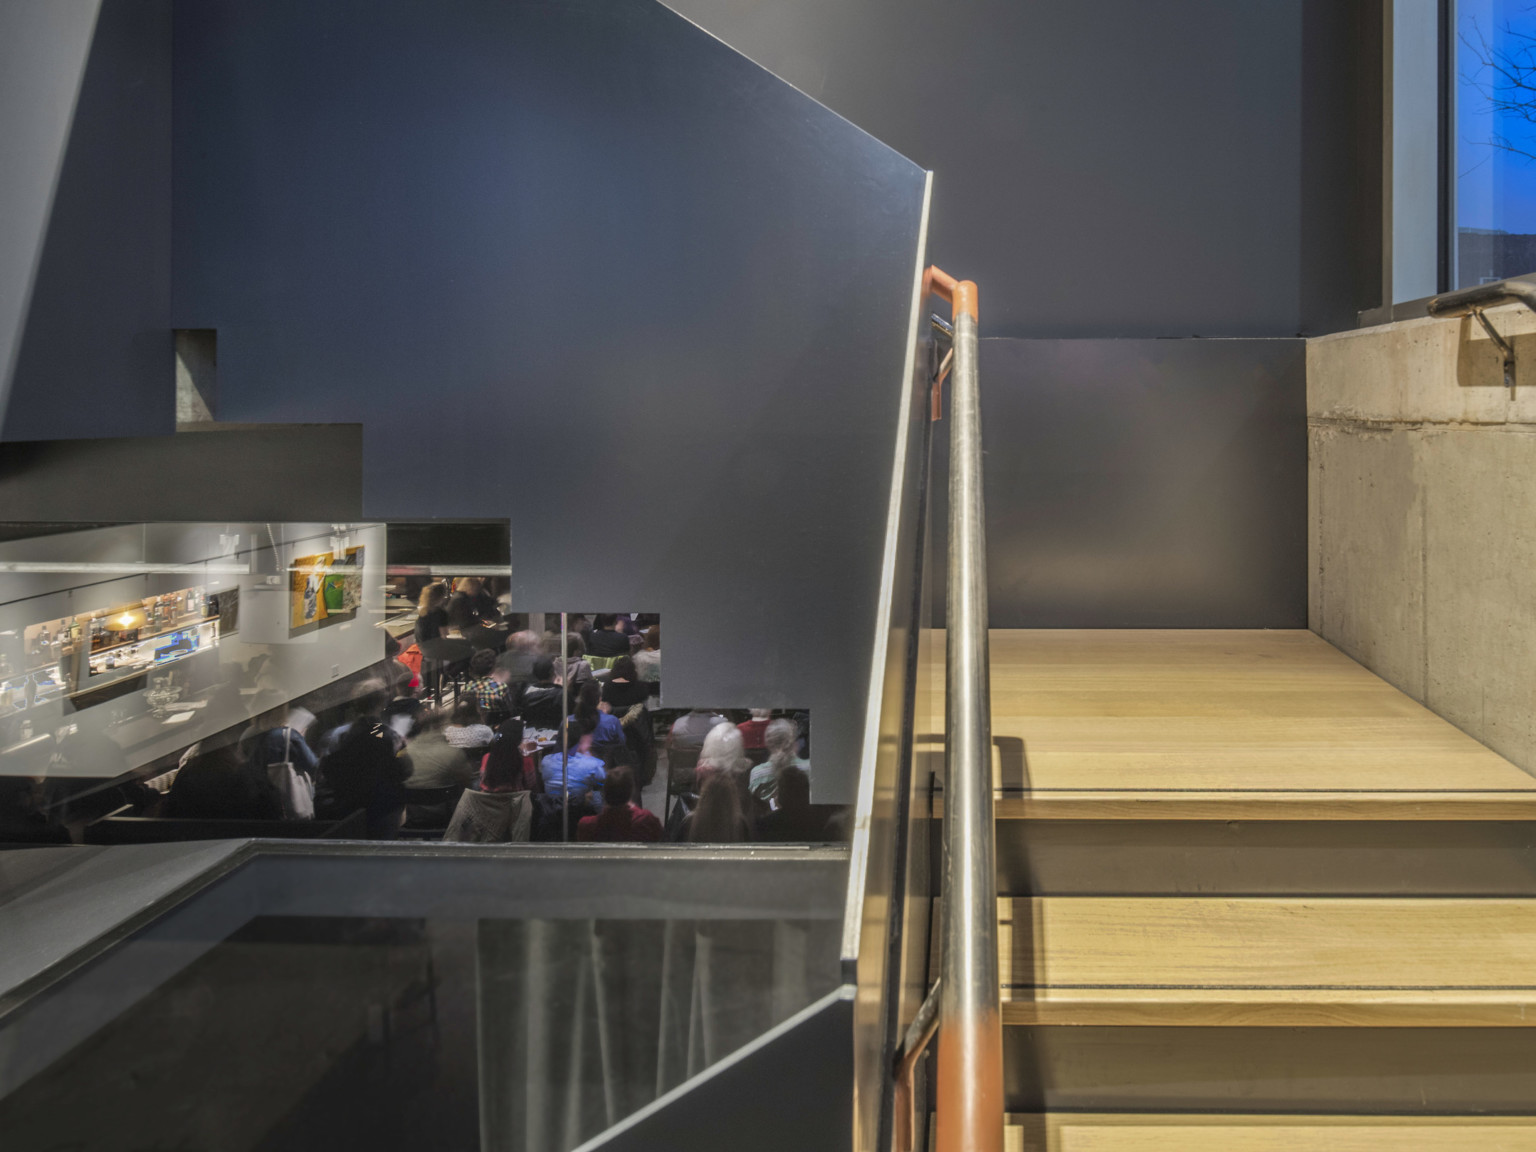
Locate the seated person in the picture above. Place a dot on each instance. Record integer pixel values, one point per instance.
(541, 701)
(271, 740)
(471, 607)
(648, 658)
(585, 773)
(620, 820)
(365, 771)
(753, 730)
(507, 765)
(688, 731)
(487, 687)
(522, 650)
(781, 738)
(624, 689)
(577, 669)
(607, 640)
(467, 728)
(794, 820)
(435, 763)
(432, 612)
(603, 727)
(218, 785)
(717, 818)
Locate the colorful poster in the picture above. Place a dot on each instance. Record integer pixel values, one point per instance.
(307, 603)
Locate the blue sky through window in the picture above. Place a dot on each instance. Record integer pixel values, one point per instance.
(1496, 116)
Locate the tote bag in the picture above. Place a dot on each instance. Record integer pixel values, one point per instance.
(295, 790)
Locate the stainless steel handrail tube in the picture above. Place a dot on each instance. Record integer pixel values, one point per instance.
(969, 1101)
(1470, 300)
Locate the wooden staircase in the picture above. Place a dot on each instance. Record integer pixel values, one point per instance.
(1253, 897)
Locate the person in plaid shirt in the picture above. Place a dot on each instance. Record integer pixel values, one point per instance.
(488, 687)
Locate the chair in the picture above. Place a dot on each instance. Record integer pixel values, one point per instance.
(602, 663)
(491, 818)
(429, 809)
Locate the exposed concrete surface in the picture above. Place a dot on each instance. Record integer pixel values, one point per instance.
(1422, 517)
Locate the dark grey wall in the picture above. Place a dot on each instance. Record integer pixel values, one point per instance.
(582, 266)
(305, 472)
(95, 355)
(1143, 483)
(1114, 167)
(43, 46)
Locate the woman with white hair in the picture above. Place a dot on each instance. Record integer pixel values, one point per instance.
(722, 751)
(780, 738)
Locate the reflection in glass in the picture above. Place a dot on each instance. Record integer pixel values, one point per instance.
(324, 1033)
(1495, 154)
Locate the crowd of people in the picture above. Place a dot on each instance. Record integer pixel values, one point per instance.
(563, 726)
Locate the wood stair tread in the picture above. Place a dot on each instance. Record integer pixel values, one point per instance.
(1216, 724)
(1268, 961)
(1131, 1132)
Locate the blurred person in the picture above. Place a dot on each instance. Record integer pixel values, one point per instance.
(648, 659)
(471, 607)
(623, 688)
(435, 763)
(541, 700)
(577, 670)
(271, 739)
(505, 767)
(467, 727)
(781, 739)
(688, 730)
(432, 612)
(584, 771)
(606, 639)
(752, 730)
(722, 750)
(522, 649)
(620, 820)
(717, 818)
(365, 771)
(603, 727)
(793, 820)
(219, 785)
(487, 687)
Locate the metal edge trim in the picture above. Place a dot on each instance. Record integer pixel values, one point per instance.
(843, 992)
(858, 861)
(16, 997)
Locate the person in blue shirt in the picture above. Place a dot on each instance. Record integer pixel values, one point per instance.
(603, 726)
(584, 772)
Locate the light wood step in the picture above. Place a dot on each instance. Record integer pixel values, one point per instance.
(1088, 1132)
(1268, 961)
(1216, 725)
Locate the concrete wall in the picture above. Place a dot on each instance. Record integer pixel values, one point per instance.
(1422, 546)
(1115, 167)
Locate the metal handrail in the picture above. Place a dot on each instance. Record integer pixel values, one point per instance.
(969, 1098)
(1473, 301)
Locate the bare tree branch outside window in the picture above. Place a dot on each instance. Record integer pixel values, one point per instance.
(1501, 68)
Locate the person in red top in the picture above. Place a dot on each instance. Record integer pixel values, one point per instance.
(754, 730)
(619, 819)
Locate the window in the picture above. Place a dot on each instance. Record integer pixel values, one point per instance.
(1495, 154)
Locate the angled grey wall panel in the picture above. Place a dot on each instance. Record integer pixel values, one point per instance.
(1143, 483)
(583, 266)
(43, 46)
(95, 349)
